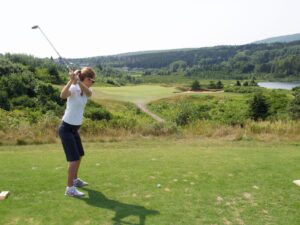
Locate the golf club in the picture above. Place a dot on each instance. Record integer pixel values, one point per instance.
(60, 57)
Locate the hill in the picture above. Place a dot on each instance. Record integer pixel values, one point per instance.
(282, 39)
(279, 60)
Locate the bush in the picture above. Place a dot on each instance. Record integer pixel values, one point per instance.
(219, 85)
(7, 67)
(238, 83)
(123, 122)
(23, 101)
(183, 117)
(294, 106)
(4, 103)
(48, 97)
(190, 112)
(113, 82)
(19, 84)
(97, 114)
(95, 111)
(278, 105)
(196, 86)
(258, 107)
(230, 112)
(34, 116)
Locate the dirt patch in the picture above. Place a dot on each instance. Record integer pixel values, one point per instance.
(143, 107)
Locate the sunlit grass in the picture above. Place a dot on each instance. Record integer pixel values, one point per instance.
(140, 93)
(203, 181)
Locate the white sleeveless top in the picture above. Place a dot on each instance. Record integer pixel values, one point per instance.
(75, 106)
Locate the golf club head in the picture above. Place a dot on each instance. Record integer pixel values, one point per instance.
(35, 27)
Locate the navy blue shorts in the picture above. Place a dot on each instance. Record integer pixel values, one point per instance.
(71, 141)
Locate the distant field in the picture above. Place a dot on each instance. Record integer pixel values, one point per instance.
(140, 93)
(202, 181)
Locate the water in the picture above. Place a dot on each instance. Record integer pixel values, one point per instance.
(278, 85)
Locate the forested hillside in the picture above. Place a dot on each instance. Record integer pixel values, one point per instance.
(284, 38)
(277, 60)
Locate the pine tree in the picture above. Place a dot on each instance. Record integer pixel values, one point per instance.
(219, 85)
(196, 86)
(238, 83)
(259, 107)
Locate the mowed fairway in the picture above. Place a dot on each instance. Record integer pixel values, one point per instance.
(203, 181)
(140, 93)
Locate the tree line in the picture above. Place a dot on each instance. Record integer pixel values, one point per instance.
(276, 60)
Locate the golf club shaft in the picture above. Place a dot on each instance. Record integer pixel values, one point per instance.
(64, 60)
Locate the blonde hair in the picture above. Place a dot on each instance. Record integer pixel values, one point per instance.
(87, 72)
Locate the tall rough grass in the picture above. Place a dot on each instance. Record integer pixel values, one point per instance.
(262, 130)
(45, 131)
(15, 128)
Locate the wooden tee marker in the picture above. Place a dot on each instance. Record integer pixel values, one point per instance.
(4, 195)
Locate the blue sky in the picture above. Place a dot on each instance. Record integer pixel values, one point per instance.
(104, 27)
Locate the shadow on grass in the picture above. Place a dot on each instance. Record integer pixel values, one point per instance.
(122, 210)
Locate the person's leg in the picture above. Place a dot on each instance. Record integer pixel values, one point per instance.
(78, 182)
(72, 172)
(76, 172)
(71, 190)
(80, 149)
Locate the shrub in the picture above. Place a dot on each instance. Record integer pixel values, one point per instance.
(294, 106)
(123, 122)
(278, 105)
(189, 112)
(238, 83)
(34, 116)
(18, 84)
(211, 85)
(196, 86)
(97, 114)
(113, 82)
(23, 101)
(8, 67)
(258, 107)
(219, 85)
(4, 103)
(230, 112)
(95, 111)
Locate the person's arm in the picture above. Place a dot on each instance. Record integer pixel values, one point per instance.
(85, 89)
(65, 92)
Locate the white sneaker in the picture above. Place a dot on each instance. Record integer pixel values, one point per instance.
(79, 183)
(72, 191)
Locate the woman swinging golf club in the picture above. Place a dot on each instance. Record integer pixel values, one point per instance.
(76, 92)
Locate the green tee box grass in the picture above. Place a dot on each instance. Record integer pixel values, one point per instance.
(203, 181)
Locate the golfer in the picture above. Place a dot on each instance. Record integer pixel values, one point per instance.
(76, 92)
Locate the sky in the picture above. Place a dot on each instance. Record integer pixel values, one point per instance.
(86, 28)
